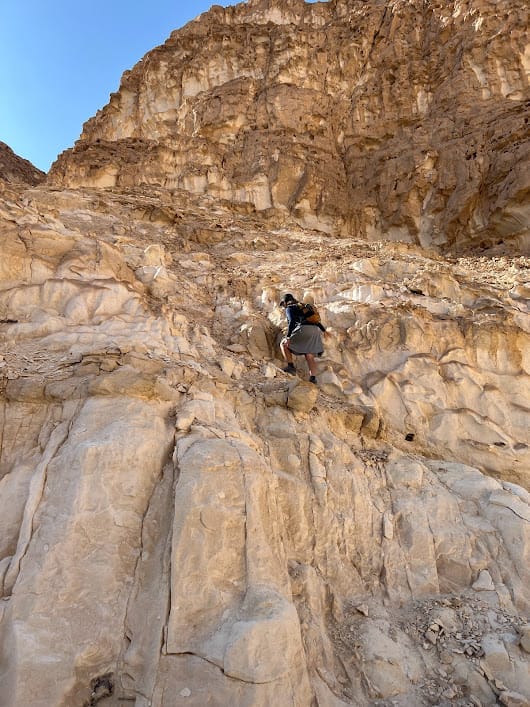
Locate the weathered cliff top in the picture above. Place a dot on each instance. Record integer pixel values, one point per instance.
(381, 120)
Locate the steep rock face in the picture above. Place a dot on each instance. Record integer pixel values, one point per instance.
(399, 120)
(181, 523)
(16, 169)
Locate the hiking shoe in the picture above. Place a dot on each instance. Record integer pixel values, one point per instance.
(313, 379)
(290, 369)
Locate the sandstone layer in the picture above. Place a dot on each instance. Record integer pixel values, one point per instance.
(399, 120)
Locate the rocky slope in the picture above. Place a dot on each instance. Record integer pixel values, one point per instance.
(16, 169)
(181, 523)
(404, 120)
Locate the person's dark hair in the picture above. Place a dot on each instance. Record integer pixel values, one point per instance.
(287, 299)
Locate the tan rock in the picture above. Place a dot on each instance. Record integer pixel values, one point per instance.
(302, 396)
(404, 472)
(281, 119)
(388, 675)
(495, 656)
(250, 655)
(180, 522)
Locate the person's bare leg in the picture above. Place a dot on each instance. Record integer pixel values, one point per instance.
(286, 351)
(311, 364)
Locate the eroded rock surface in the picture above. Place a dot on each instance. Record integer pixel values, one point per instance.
(184, 524)
(402, 120)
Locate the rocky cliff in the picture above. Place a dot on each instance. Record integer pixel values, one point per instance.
(181, 522)
(16, 169)
(404, 120)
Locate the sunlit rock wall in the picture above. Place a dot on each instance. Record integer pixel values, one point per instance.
(401, 120)
(181, 523)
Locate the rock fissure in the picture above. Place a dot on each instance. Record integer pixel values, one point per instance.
(36, 490)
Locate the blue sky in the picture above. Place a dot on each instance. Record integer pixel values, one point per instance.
(60, 60)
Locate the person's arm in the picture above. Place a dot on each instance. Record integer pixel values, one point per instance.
(292, 321)
(321, 327)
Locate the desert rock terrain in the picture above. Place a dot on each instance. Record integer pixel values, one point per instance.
(181, 522)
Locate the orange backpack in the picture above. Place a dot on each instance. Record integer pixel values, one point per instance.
(309, 313)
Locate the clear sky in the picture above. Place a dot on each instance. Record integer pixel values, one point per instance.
(60, 60)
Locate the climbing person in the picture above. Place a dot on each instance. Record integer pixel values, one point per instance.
(303, 335)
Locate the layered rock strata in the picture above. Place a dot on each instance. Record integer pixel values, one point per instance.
(398, 120)
(182, 523)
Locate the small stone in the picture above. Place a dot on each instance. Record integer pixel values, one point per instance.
(485, 670)
(302, 396)
(108, 365)
(227, 365)
(186, 692)
(363, 609)
(431, 636)
(446, 619)
(268, 370)
(484, 582)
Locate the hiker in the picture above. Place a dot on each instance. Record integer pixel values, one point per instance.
(303, 337)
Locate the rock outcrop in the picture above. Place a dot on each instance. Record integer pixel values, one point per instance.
(397, 120)
(181, 522)
(16, 169)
